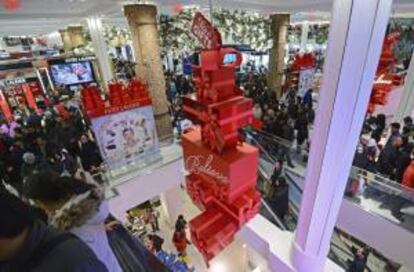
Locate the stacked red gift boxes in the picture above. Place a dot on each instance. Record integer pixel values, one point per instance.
(301, 61)
(385, 79)
(222, 168)
(120, 98)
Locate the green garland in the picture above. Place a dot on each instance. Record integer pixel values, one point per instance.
(237, 26)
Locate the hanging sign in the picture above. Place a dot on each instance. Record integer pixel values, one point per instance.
(14, 81)
(80, 59)
(205, 32)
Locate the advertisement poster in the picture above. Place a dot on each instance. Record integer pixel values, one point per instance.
(305, 81)
(127, 137)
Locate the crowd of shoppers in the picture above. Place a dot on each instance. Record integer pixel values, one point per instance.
(389, 153)
(288, 118)
(52, 210)
(58, 139)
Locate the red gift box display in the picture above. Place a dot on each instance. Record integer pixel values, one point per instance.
(121, 97)
(385, 79)
(222, 170)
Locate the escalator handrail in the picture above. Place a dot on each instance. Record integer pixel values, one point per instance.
(292, 206)
(268, 135)
(274, 216)
(386, 184)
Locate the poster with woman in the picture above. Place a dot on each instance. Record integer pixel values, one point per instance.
(127, 137)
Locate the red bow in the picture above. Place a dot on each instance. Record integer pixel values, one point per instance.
(211, 133)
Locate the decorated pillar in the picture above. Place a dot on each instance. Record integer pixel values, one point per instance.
(406, 105)
(142, 22)
(66, 40)
(279, 26)
(355, 40)
(100, 47)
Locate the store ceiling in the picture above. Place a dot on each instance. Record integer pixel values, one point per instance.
(44, 16)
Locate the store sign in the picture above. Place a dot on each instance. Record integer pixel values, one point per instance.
(79, 59)
(200, 165)
(14, 81)
(306, 78)
(205, 32)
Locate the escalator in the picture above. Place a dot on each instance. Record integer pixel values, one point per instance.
(132, 254)
(355, 219)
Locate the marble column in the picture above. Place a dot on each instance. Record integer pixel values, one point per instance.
(406, 105)
(101, 49)
(66, 40)
(355, 40)
(76, 36)
(279, 26)
(142, 22)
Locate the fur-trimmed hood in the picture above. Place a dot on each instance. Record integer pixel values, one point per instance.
(79, 210)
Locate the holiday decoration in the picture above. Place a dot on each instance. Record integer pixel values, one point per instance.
(237, 27)
(121, 98)
(385, 79)
(222, 169)
(11, 4)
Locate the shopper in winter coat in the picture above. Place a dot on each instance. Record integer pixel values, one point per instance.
(408, 178)
(62, 163)
(89, 154)
(302, 126)
(77, 207)
(307, 99)
(29, 166)
(181, 222)
(360, 261)
(279, 197)
(403, 161)
(388, 156)
(27, 244)
(180, 240)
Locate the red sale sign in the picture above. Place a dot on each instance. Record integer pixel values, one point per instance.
(205, 32)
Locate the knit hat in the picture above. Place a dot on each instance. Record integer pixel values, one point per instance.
(29, 158)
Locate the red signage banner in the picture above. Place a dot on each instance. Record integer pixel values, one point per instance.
(205, 32)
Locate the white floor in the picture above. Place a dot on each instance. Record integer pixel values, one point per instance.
(233, 258)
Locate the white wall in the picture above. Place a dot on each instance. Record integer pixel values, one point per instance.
(144, 187)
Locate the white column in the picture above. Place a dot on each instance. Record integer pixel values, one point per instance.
(304, 36)
(355, 39)
(172, 204)
(101, 51)
(406, 105)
